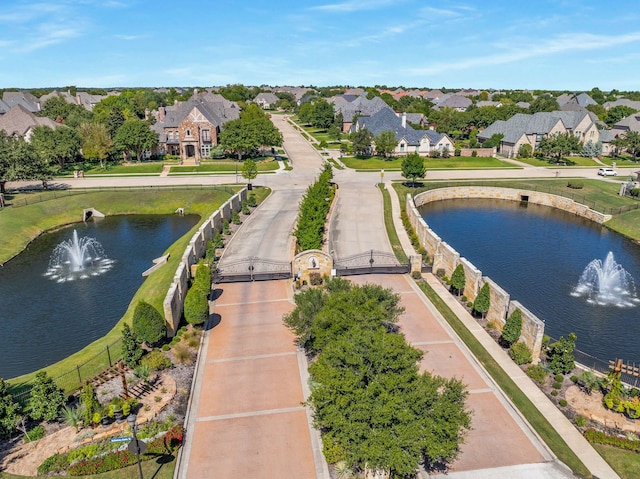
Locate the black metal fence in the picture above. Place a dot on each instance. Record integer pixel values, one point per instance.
(72, 380)
(578, 198)
(19, 198)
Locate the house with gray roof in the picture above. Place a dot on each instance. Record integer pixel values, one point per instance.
(629, 123)
(531, 129)
(4, 107)
(266, 101)
(190, 129)
(455, 101)
(409, 140)
(622, 102)
(581, 99)
(24, 98)
(361, 106)
(20, 122)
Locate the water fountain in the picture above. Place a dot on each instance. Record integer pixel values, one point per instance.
(607, 283)
(77, 258)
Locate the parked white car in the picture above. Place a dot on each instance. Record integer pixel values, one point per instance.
(607, 172)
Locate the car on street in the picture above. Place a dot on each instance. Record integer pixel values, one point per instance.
(607, 172)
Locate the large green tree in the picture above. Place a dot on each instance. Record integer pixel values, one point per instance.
(560, 145)
(59, 145)
(323, 113)
(148, 324)
(19, 160)
(385, 142)
(9, 410)
(57, 108)
(512, 328)
(361, 142)
(482, 303)
(249, 132)
(413, 167)
(544, 102)
(96, 142)
(135, 137)
(458, 279)
(560, 353)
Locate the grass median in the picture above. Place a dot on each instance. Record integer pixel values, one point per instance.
(29, 221)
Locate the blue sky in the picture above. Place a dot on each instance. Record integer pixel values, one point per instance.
(563, 44)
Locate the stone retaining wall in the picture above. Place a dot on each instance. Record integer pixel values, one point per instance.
(196, 249)
(447, 258)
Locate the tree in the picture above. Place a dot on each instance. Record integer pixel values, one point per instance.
(114, 120)
(57, 108)
(458, 279)
(9, 410)
(512, 328)
(617, 113)
(96, 141)
(631, 141)
(334, 132)
(89, 402)
(322, 115)
(361, 142)
(544, 102)
(591, 149)
(60, 145)
(249, 170)
(482, 302)
(560, 353)
(196, 303)
(385, 142)
(135, 137)
(131, 350)
(413, 167)
(560, 145)
(46, 398)
(525, 151)
(19, 160)
(494, 141)
(148, 324)
(249, 132)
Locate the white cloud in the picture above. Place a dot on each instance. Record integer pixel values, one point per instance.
(26, 13)
(559, 44)
(355, 5)
(129, 38)
(47, 35)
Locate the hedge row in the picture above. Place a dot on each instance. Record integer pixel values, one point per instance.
(598, 437)
(314, 209)
(196, 303)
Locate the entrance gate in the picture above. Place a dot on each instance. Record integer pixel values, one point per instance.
(252, 269)
(371, 262)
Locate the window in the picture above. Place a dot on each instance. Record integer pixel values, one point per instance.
(205, 151)
(591, 133)
(206, 135)
(170, 136)
(188, 132)
(538, 138)
(577, 134)
(402, 146)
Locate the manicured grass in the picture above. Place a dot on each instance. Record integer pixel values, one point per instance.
(625, 463)
(226, 167)
(627, 224)
(565, 162)
(453, 163)
(57, 212)
(599, 195)
(155, 469)
(620, 161)
(522, 402)
(133, 169)
(390, 227)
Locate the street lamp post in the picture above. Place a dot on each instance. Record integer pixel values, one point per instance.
(131, 419)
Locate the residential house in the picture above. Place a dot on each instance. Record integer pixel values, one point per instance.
(629, 123)
(455, 101)
(622, 102)
(409, 140)
(266, 101)
(4, 107)
(68, 97)
(87, 100)
(482, 103)
(24, 98)
(19, 121)
(433, 95)
(531, 129)
(606, 136)
(360, 106)
(297, 92)
(581, 99)
(190, 129)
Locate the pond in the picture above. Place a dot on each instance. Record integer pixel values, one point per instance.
(538, 254)
(45, 319)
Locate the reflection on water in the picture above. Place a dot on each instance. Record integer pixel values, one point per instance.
(538, 254)
(44, 321)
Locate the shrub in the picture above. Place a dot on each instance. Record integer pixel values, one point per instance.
(537, 373)
(225, 227)
(563, 402)
(148, 324)
(46, 398)
(235, 218)
(580, 421)
(554, 392)
(416, 275)
(576, 185)
(182, 354)
(463, 298)
(493, 325)
(557, 385)
(512, 329)
(89, 402)
(156, 361)
(315, 279)
(166, 347)
(558, 378)
(196, 307)
(35, 433)
(520, 353)
(574, 378)
(525, 151)
(131, 350)
(218, 241)
(599, 437)
(457, 152)
(251, 200)
(9, 410)
(474, 153)
(560, 354)
(245, 208)
(469, 304)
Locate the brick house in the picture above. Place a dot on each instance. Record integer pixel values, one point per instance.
(190, 129)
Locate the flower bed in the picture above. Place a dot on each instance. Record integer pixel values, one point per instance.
(598, 437)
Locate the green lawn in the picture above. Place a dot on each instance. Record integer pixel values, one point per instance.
(599, 195)
(565, 162)
(222, 167)
(625, 463)
(390, 227)
(132, 169)
(620, 161)
(19, 225)
(154, 469)
(452, 163)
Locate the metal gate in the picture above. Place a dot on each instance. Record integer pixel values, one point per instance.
(371, 262)
(252, 269)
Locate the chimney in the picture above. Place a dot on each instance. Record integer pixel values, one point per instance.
(195, 92)
(146, 113)
(161, 114)
(404, 120)
(38, 106)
